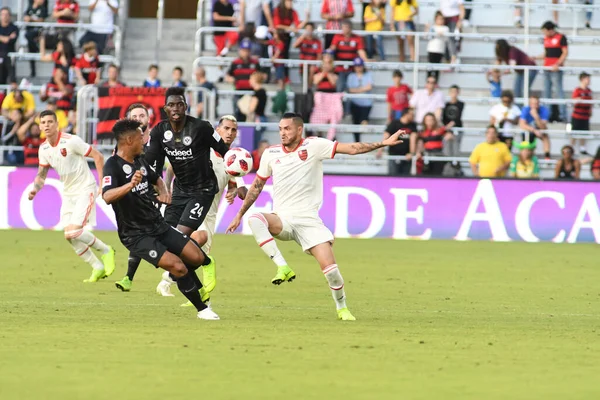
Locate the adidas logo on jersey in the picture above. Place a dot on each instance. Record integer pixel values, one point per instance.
(179, 153)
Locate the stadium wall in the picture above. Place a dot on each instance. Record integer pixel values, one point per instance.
(389, 207)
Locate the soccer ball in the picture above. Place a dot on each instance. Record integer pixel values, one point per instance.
(238, 161)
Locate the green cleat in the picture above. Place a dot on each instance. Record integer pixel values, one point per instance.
(97, 274)
(124, 284)
(108, 260)
(205, 298)
(284, 274)
(345, 315)
(209, 275)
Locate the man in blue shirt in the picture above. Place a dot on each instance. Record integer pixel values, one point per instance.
(534, 121)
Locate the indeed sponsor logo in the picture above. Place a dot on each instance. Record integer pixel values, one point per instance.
(141, 187)
(179, 153)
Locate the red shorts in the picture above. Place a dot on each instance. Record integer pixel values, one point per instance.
(226, 40)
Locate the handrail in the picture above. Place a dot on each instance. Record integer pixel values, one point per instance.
(160, 15)
(76, 25)
(37, 57)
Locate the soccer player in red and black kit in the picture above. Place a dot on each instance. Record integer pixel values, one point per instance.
(187, 141)
(142, 229)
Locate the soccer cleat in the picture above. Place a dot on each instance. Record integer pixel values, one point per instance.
(164, 289)
(209, 275)
(124, 284)
(284, 274)
(108, 259)
(345, 315)
(97, 274)
(208, 314)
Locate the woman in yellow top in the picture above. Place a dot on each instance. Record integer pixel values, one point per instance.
(403, 12)
(374, 19)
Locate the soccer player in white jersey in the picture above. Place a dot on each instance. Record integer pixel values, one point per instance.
(227, 128)
(297, 171)
(67, 155)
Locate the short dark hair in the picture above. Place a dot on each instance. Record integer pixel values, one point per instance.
(309, 24)
(6, 8)
(455, 87)
(507, 93)
(549, 26)
(398, 73)
(347, 22)
(113, 65)
(534, 96)
(134, 106)
(152, 66)
(492, 127)
(178, 69)
(46, 113)
(296, 119)
(175, 91)
(584, 75)
(124, 127)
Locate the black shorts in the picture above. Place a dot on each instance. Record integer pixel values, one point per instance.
(188, 210)
(580, 124)
(152, 247)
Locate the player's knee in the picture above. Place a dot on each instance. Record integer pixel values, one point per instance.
(72, 232)
(178, 269)
(201, 237)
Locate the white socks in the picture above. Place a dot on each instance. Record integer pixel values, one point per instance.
(260, 229)
(92, 241)
(86, 253)
(336, 284)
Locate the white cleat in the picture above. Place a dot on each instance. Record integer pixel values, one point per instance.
(164, 289)
(208, 314)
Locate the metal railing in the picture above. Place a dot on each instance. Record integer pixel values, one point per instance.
(160, 16)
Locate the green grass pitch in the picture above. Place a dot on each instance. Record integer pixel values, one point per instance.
(436, 320)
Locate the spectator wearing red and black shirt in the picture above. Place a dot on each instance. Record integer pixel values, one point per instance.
(310, 48)
(66, 11)
(556, 51)
(398, 97)
(325, 78)
(239, 72)
(431, 140)
(87, 66)
(347, 47)
(63, 57)
(334, 11)
(29, 136)
(582, 112)
(60, 89)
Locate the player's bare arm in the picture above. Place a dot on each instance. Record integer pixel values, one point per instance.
(251, 196)
(164, 195)
(113, 195)
(38, 182)
(232, 191)
(360, 148)
(170, 174)
(98, 161)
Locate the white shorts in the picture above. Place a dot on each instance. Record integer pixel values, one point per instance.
(307, 231)
(78, 210)
(208, 225)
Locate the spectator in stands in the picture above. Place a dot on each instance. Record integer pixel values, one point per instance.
(518, 13)
(60, 89)
(63, 57)
(18, 99)
(13, 123)
(113, 77)
(428, 100)
(452, 113)
(328, 104)
(278, 48)
(596, 165)
(491, 158)
(533, 121)
(239, 73)
(510, 55)
(402, 20)
(407, 124)
(258, 104)
(347, 46)
(257, 12)
(257, 154)
(588, 14)
(202, 82)
(335, 12)
(454, 14)
(505, 116)
(360, 82)
(310, 48)
(397, 97)
(9, 34)
(285, 19)
(87, 66)
(556, 51)
(494, 77)
(580, 119)
(152, 80)
(439, 44)
(29, 136)
(177, 75)
(102, 16)
(36, 12)
(374, 18)
(431, 141)
(567, 168)
(223, 16)
(524, 165)
(66, 11)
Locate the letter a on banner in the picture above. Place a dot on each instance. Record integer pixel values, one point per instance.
(589, 207)
(484, 194)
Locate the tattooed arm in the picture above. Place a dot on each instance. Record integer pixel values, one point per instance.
(251, 196)
(360, 148)
(38, 182)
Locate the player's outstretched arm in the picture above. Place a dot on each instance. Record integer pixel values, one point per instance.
(360, 148)
(115, 194)
(251, 196)
(38, 182)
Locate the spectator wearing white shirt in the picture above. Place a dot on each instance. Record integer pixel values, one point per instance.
(454, 14)
(257, 12)
(428, 100)
(505, 116)
(102, 14)
(439, 44)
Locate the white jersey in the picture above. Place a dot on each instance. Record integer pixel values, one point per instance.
(297, 175)
(67, 157)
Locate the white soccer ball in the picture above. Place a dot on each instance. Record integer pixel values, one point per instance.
(238, 161)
